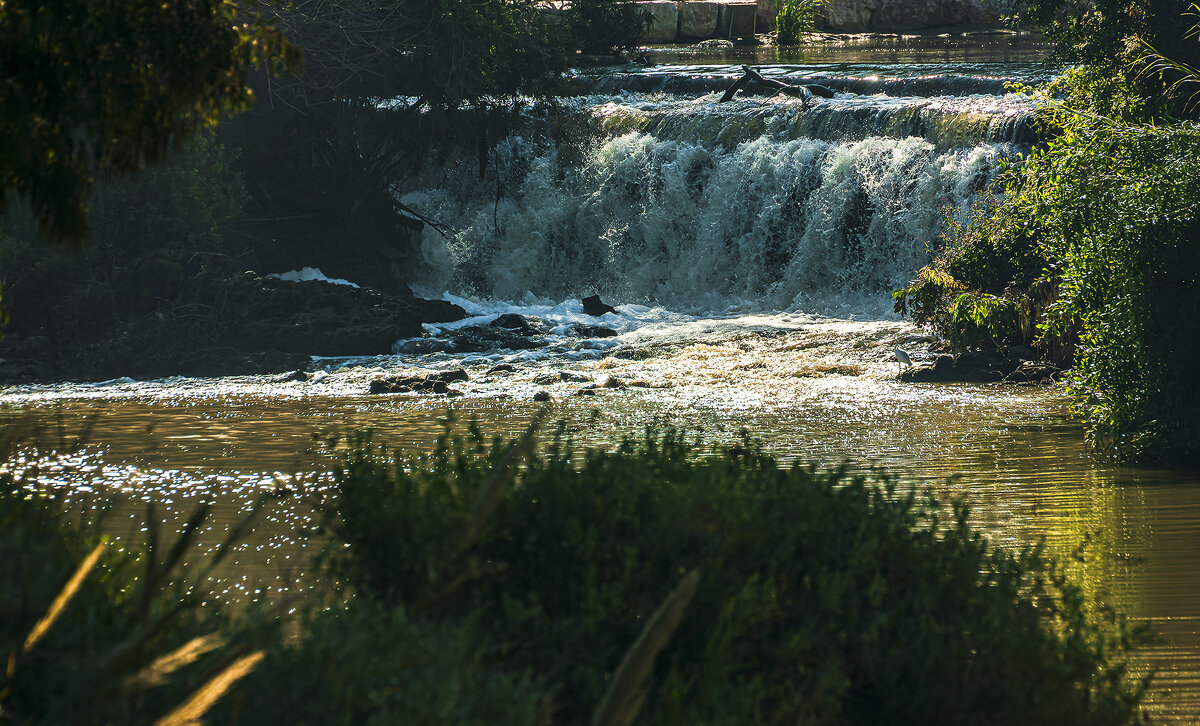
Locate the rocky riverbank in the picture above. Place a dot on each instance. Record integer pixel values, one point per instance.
(207, 325)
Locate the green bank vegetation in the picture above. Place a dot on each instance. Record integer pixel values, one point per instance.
(1090, 253)
(794, 18)
(487, 582)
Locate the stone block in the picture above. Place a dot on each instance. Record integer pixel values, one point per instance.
(737, 20)
(698, 18)
(664, 23)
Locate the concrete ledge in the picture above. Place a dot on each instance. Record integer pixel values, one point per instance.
(737, 19)
(664, 23)
(698, 18)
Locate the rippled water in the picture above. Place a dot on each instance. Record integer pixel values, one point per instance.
(815, 390)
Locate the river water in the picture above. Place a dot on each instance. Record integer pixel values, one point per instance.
(749, 249)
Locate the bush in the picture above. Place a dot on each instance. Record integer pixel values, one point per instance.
(822, 598)
(1095, 243)
(365, 663)
(794, 18)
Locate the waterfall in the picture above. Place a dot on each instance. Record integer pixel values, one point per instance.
(762, 203)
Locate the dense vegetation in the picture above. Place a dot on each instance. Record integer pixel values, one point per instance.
(649, 582)
(1090, 253)
(483, 583)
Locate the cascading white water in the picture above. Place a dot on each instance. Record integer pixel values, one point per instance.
(763, 204)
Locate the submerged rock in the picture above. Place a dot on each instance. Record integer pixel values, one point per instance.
(592, 331)
(523, 324)
(1010, 365)
(474, 339)
(409, 384)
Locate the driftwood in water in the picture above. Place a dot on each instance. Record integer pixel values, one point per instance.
(802, 92)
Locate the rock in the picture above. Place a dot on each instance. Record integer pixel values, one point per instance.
(523, 324)
(541, 396)
(296, 375)
(409, 384)
(586, 392)
(1032, 372)
(612, 382)
(981, 367)
(594, 307)
(561, 376)
(592, 331)
(458, 374)
(474, 339)
(503, 368)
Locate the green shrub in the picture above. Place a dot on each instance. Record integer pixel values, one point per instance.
(794, 18)
(823, 598)
(980, 320)
(368, 664)
(1094, 242)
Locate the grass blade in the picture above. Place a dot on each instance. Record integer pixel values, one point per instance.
(64, 597)
(193, 709)
(628, 689)
(156, 673)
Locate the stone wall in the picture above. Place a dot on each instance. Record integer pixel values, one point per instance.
(674, 21)
(892, 16)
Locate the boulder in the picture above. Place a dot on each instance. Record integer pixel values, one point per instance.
(592, 331)
(593, 306)
(523, 324)
(409, 384)
(980, 367)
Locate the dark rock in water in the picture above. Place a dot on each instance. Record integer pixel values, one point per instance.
(592, 331)
(560, 377)
(523, 324)
(475, 339)
(1032, 372)
(980, 367)
(409, 384)
(458, 374)
(420, 346)
(541, 396)
(503, 368)
(593, 306)
(612, 382)
(586, 392)
(296, 375)
(437, 311)
(481, 339)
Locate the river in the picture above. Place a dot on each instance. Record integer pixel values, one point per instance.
(749, 249)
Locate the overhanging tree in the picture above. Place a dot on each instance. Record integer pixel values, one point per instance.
(97, 89)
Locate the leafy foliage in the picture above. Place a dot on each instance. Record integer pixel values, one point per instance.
(364, 663)
(822, 598)
(1108, 40)
(100, 88)
(1096, 239)
(794, 18)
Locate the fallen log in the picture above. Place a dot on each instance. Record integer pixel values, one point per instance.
(803, 92)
